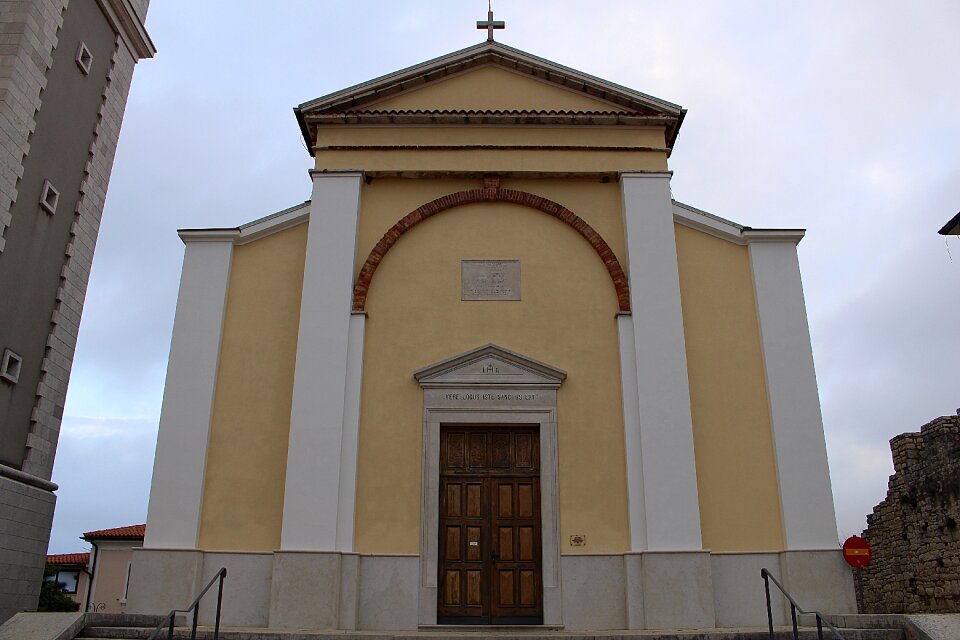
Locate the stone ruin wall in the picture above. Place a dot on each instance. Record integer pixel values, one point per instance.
(914, 533)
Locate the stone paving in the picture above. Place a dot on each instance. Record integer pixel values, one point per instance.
(936, 626)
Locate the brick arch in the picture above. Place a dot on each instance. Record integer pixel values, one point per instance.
(491, 192)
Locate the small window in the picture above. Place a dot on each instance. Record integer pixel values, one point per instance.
(84, 58)
(67, 579)
(126, 584)
(49, 197)
(10, 366)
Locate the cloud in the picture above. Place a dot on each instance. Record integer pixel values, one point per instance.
(87, 427)
(103, 467)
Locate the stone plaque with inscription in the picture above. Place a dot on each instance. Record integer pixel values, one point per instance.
(489, 279)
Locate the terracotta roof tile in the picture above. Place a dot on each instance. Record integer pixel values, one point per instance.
(65, 559)
(132, 532)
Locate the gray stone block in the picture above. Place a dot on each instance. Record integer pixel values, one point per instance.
(11, 538)
(42, 626)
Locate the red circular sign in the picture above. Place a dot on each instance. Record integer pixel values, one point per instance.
(856, 551)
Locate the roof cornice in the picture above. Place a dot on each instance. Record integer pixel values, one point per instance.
(273, 223)
(952, 228)
(724, 229)
(127, 23)
(566, 118)
(208, 235)
(793, 236)
(251, 231)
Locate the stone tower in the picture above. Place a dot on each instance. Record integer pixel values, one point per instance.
(65, 72)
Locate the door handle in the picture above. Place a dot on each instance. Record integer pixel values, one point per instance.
(493, 556)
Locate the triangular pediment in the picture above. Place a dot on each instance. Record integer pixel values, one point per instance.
(490, 366)
(493, 88)
(489, 83)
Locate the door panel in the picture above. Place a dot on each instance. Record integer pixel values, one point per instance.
(516, 548)
(461, 548)
(490, 547)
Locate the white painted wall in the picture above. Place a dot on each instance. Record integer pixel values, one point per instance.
(809, 521)
(666, 428)
(312, 495)
(347, 501)
(631, 433)
(176, 493)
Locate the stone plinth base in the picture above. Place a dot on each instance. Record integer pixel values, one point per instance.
(349, 591)
(26, 514)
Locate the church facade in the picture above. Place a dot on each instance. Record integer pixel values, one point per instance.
(491, 373)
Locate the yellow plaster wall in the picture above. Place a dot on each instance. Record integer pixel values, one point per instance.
(491, 160)
(566, 318)
(246, 459)
(385, 200)
(492, 87)
(594, 136)
(736, 468)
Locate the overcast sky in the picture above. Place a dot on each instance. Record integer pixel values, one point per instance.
(839, 117)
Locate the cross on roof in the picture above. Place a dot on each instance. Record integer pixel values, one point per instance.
(490, 24)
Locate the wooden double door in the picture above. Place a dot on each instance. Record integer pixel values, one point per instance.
(490, 554)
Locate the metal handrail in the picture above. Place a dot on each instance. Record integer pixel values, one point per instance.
(195, 607)
(794, 608)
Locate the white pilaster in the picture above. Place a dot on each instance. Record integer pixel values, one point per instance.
(669, 471)
(631, 433)
(351, 434)
(176, 493)
(320, 388)
(806, 500)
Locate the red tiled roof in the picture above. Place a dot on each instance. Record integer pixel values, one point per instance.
(132, 532)
(65, 559)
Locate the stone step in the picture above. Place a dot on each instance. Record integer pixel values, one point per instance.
(206, 633)
(461, 628)
(123, 620)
